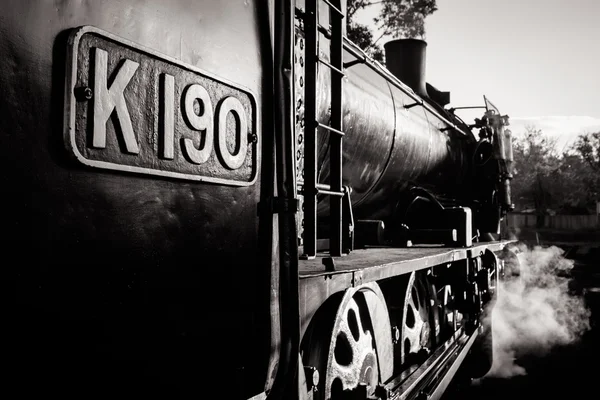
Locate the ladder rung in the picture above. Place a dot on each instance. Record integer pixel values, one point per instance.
(322, 186)
(326, 32)
(327, 187)
(334, 8)
(330, 192)
(330, 129)
(336, 69)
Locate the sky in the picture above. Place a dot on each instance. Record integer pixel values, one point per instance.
(538, 61)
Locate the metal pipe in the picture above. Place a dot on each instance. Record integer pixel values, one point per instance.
(311, 21)
(336, 141)
(286, 190)
(330, 129)
(322, 186)
(334, 8)
(330, 66)
(331, 192)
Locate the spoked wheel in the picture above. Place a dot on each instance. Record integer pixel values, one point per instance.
(416, 333)
(350, 344)
(449, 316)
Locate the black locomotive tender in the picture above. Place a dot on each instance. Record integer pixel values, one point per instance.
(230, 199)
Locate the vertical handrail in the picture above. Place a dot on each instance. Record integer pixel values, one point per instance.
(335, 141)
(285, 383)
(310, 133)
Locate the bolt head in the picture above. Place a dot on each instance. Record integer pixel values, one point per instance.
(315, 377)
(84, 93)
(395, 334)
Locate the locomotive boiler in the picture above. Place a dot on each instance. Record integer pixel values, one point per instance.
(232, 199)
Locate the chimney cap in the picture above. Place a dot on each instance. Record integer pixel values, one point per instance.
(406, 59)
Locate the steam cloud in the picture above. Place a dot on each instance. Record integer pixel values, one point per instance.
(535, 311)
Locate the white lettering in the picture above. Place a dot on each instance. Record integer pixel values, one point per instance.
(202, 120)
(168, 116)
(234, 106)
(108, 99)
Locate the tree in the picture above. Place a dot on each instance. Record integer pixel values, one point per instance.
(570, 178)
(587, 147)
(405, 18)
(362, 36)
(396, 18)
(535, 163)
(567, 183)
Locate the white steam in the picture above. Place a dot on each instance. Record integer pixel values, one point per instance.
(534, 310)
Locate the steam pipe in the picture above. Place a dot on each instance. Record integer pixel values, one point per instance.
(286, 191)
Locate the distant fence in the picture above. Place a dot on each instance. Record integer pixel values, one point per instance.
(563, 222)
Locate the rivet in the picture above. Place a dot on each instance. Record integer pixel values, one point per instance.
(83, 93)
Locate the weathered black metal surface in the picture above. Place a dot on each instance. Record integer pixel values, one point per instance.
(114, 273)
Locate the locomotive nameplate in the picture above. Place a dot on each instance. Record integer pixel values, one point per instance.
(131, 109)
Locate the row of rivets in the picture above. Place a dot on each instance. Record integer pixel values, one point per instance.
(299, 91)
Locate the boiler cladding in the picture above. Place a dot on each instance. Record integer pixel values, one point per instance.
(390, 142)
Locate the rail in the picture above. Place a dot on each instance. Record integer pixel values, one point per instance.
(431, 378)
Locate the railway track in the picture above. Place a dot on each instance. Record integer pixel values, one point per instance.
(430, 380)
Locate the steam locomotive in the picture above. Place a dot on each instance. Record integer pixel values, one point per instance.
(230, 199)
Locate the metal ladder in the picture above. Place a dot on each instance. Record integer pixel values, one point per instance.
(312, 188)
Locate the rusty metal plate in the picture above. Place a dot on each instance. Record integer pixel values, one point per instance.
(129, 108)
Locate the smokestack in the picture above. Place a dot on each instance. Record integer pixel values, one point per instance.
(405, 58)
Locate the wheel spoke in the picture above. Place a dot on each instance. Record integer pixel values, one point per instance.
(416, 327)
(345, 331)
(349, 371)
(346, 374)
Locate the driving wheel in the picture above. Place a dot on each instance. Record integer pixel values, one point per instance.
(349, 342)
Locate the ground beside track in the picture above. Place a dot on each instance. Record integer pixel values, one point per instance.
(567, 371)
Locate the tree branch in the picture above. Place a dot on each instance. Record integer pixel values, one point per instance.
(377, 40)
(354, 7)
